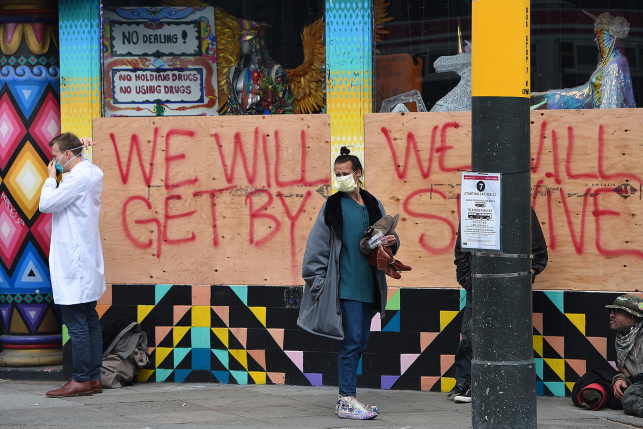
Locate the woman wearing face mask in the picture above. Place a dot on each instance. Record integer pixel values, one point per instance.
(343, 291)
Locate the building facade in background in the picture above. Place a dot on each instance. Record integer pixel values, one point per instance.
(345, 66)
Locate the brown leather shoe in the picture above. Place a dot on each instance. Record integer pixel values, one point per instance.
(97, 386)
(372, 259)
(72, 388)
(385, 252)
(398, 266)
(383, 258)
(381, 263)
(389, 252)
(392, 273)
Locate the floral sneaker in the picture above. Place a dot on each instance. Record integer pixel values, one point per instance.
(373, 408)
(350, 408)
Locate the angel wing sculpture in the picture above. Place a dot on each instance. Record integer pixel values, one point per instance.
(306, 81)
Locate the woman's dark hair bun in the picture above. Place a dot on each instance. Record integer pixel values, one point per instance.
(345, 156)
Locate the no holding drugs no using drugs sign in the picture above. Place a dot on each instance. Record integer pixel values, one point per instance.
(480, 211)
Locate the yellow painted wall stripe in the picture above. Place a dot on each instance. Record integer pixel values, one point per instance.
(500, 48)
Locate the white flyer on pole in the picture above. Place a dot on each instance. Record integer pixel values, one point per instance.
(480, 211)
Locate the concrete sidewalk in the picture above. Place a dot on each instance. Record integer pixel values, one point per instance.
(161, 405)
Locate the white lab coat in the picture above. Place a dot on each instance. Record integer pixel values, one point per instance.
(76, 255)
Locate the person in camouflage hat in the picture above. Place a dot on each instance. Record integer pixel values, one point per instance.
(626, 316)
(622, 389)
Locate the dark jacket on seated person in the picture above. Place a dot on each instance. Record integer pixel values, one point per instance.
(538, 249)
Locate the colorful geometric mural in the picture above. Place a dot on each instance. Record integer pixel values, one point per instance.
(12, 230)
(11, 127)
(571, 336)
(46, 125)
(29, 117)
(26, 177)
(249, 335)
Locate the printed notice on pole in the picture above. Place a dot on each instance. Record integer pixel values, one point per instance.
(480, 211)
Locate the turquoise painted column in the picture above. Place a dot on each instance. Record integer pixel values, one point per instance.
(80, 83)
(349, 64)
(80, 70)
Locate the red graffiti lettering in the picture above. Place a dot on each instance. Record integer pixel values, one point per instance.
(293, 219)
(443, 148)
(570, 155)
(213, 210)
(568, 160)
(305, 181)
(551, 243)
(554, 147)
(169, 217)
(129, 235)
(578, 244)
(134, 145)
(538, 185)
(302, 178)
(170, 158)
(410, 143)
(238, 149)
(257, 214)
(266, 160)
(422, 240)
(598, 213)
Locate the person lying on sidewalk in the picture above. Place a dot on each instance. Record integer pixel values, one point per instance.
(621, 389)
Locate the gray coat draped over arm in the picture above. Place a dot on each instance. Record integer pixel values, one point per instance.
(320, 312)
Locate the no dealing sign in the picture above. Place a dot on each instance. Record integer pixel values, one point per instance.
(480, 211)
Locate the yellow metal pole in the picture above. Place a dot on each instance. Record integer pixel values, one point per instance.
(503, 369)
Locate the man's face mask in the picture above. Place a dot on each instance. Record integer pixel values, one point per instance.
(345, 183)
(60, 167)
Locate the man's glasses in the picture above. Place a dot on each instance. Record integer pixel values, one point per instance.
(615, 312)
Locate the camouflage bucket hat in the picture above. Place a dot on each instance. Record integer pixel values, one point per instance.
(633, 304)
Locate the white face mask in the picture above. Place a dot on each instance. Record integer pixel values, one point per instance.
(345, 184)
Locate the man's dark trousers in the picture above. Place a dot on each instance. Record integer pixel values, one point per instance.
(464, 354)
(84, 330)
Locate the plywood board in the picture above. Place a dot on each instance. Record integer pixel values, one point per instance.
(586, 187)
(210, 200)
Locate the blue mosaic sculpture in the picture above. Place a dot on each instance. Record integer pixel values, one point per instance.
(610, 86)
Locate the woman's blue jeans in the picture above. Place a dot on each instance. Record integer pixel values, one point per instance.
(356, 318)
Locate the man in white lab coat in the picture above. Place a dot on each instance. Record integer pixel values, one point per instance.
(76, 258)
